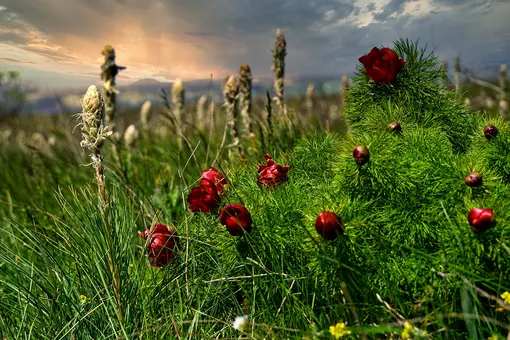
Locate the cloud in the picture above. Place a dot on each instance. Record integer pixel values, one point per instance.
(393, 7)
(194, 38)
(370, 7)
(11, 60)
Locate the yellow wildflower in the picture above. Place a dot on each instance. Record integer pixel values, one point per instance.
(407, 332)
(83, 299)
(339, 330)
(506, 297)
(493, 337)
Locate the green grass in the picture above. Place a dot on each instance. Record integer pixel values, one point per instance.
(67, 271)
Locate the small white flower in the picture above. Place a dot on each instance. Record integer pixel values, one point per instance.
(241, 323)
(52, 140)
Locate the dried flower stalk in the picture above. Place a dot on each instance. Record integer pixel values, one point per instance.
(245, 91)
(456, 67)
(309, 99)
(109, 70)
(278, 67)
(178, 102)
(345, 91)
(94, 132)
(212, 108)
(201, 103)
(444, 67)
(503, 109)
(145, 114)
(502, 81)
(130, 135)
(230, 94)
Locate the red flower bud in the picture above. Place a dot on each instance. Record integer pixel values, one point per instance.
(394, 127)
(162, 244)
(490, 131)
(481, 219)
(361, 154)
(329, 225)
(204, 198)
(236, 218)
(382, 65)
(272, 174)
(474, 179)
(214, 176)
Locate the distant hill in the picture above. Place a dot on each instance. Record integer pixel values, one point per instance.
(136, 93)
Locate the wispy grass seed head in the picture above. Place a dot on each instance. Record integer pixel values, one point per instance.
(146, 113)
(201, 108)
(130, 135)
(178, 102)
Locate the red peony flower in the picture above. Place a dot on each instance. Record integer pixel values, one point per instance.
(361, 154)
(204, 198)
(236, 218)
(162, 244)
(382, 65)
(474, 179)
(329, 225)
(272, 174)
(490, 131)
(214, 176)
(481, 219)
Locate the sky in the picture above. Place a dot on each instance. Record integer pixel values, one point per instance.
(56, 44)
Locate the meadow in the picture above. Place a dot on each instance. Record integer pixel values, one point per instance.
(420, 244)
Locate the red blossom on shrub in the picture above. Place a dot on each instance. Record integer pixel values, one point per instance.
(329, 225)
(490, 131)
(214, 176)
(361, 154)
(236, 218)
(481, 219)
(272, 174)
(162, 244)
(204, 198)
(382, 65)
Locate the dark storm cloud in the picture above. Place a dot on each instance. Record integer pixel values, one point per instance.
(217, 36)
(239, 17)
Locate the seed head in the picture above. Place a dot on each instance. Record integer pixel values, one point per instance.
(145, 113)
(231, 85)
(92, 116)
(92, 105)
(178, 91)
(130, 135)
